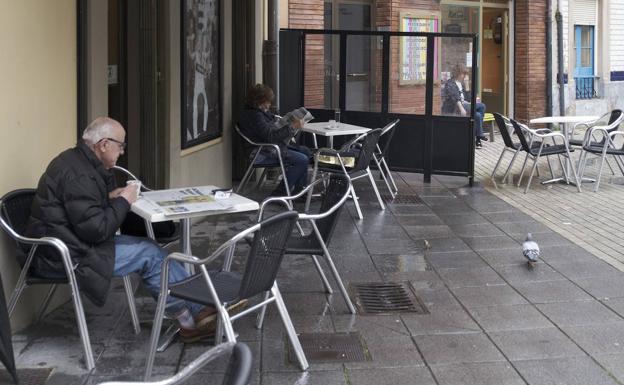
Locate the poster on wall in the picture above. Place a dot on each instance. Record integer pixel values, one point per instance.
(201, 80)
(413, 49)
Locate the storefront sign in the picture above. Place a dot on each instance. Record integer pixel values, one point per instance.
(413, 49)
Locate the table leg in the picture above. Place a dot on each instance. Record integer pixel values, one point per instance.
(185, 240)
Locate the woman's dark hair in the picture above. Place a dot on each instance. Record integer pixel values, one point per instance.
(458, 70)
(258, 95)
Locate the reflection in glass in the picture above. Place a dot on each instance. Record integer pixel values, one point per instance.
(363, 82)
(321, 71)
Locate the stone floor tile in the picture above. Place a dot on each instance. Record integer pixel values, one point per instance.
(524, 227)
(472, 297)
(532, 344)
(616, 304)
(310, 377)
(497, 257)
(449, 260)
(579, 313)
(463, 219)
(440, 321)
(428, 231)
(599, 338)
(476, 230)
(469, 277)
(516, 317)
(387, 263)
(483, 373)
(522, 273)
(614, 363)
(552, 291)
(457, 348)
(446, 245)
(390, 376)
(491, 242)
(568, 371)
(583, 269)
(606, 286)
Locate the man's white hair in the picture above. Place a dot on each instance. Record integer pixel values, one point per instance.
(98, 129)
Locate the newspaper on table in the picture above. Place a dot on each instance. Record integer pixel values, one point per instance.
(184, 200)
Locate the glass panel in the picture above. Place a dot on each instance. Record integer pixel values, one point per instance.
(586, 57)
(321, 69)
(452, 93)
(364, 65)
(459, 19)
(408, 60)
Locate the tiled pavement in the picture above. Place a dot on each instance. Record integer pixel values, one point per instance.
(490, 320)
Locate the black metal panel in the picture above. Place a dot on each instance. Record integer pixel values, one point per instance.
(448, 144)
(291, 70)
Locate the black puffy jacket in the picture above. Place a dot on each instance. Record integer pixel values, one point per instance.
(72, 204)
(259, 126)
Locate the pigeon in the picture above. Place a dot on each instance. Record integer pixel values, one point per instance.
(530, 250)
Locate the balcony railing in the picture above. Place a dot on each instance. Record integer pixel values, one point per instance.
(586, 87)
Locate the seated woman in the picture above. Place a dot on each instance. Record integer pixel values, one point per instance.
(258, 124)
(455, 101)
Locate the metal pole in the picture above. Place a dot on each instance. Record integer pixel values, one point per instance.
(559, 20)
(270, 47)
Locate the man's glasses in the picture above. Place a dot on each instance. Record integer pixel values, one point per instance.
(122, 145)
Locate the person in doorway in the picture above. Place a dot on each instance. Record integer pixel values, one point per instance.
(455, 101)
(258, 124)
(77, 202)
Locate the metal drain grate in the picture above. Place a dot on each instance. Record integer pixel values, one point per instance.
(331, 347)
(34, 376)
(386, 297)
(402, 199)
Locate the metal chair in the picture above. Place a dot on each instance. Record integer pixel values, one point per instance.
(543, 150)
(379, 156)
(506, 128)
(322, 224)
(266, 164)
(238, 369)
(366, 145)
(600, 141)
(14, 214)
(221, 288)
(612, 117)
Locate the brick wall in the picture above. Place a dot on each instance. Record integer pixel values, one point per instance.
(530, 59)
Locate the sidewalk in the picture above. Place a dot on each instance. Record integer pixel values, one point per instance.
(489, 319)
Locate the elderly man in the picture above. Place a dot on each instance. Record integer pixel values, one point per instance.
(77, 202)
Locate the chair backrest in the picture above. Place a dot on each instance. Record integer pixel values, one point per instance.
(506, 128)
(387, 133)
(266, 253)
(249, 141)
(337, 188)
(520, 134)
(614, 115)
(15, 209)
(369, 144)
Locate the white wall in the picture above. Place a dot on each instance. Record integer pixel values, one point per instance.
(616, 31)
(37, 106)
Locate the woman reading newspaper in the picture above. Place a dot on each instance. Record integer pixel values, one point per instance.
(260, 125)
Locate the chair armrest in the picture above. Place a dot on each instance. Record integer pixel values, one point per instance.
(314, 217)
(284, 200)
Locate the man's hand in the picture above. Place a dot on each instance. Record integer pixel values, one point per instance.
(130, 193)
(115, 193)
(298, 124)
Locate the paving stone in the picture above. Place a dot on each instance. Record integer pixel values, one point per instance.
(440, 321)
(463, 218)
(517, 317)
(599, 338)
(448, 260)
(419, 220)
(467, 277)
(429, 231)
(483, 373)
(521, 273)
(457, 348)
(507, 217)
(584, 269)
(476, 230)
(310, 377)
(568, 371)
(394, 246)
(607, 286)
(616, 304)
(497, 257)
(614, 363)
(400, 262)
(532, 344)
(472, 297)
(405, 209)
(552, 291)
(390, 376)
(490, 242)
(437, 245)
(579, 313)
(523, 227)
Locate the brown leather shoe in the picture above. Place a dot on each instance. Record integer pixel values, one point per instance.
(189, 336)
(207, 317)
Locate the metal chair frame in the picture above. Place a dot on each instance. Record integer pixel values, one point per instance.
(224, 320)
(360, 170)
(238, 373)
(520, 129)
(253, 164)
(68, 265)
(379, 156)
(311, 219)
(601, 148)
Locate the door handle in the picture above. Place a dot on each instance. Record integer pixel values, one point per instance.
(357, 75)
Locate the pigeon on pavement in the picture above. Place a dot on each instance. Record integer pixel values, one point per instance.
(530, 250)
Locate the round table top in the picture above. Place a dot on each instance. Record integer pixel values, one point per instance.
(564, 119)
